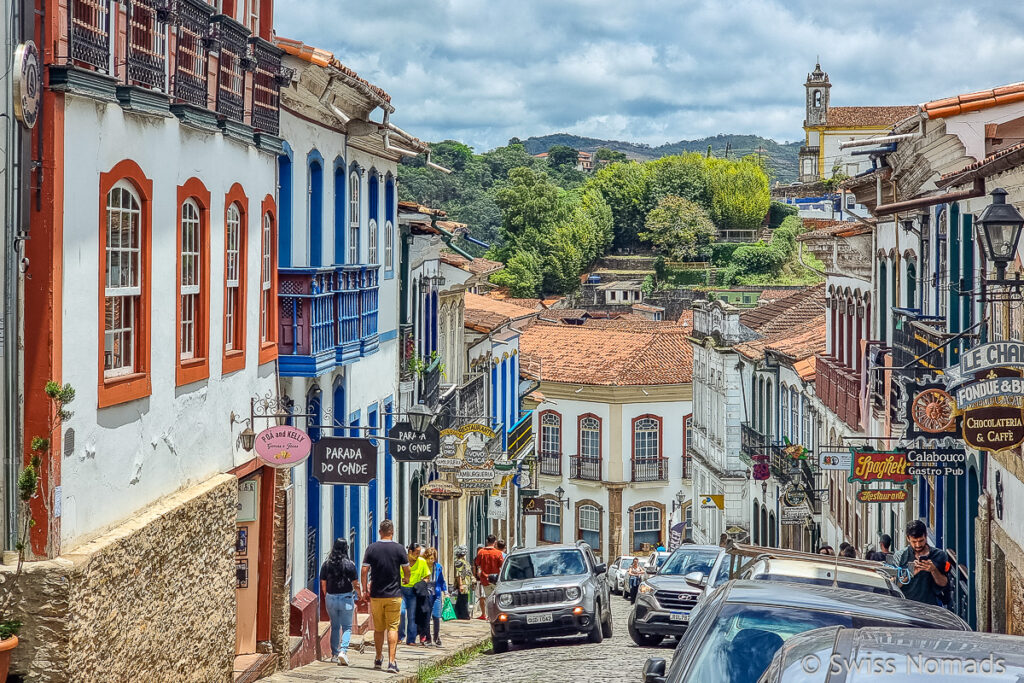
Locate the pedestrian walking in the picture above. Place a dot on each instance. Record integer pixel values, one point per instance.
(500, 545)
(488, 561)
(636, 575)
(418, 570)
(462, 578)
(339, 584)
(885, 544)
(928, 567)
(385, 565)
(848, 551)
(440, 588)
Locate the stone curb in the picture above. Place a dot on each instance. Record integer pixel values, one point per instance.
(442, 661)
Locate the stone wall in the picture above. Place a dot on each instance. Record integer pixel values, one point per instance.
(151, 600)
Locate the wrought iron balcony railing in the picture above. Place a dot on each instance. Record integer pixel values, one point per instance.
(650, 469)
(588, 468)
(146, 58)
(89, 33)
(266, 86)
(189, 83)
(551, 463)
(232, 38)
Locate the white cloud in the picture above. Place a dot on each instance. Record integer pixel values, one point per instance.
(653, 71)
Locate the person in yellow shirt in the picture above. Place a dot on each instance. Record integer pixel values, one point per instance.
(418, 570)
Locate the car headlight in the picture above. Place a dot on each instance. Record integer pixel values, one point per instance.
(573, 593)
(646, 588)
(505, 600)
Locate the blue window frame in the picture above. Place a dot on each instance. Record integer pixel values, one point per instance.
(316, 209)
(284, 207)
(390, 219)
(340, 201)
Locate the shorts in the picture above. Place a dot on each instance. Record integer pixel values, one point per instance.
(486, 591)
(387, 613)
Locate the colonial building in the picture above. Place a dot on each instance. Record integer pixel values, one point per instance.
(150, 289)
(826, 126)
(611, 424)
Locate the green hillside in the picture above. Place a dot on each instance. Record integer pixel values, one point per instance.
(782, 158)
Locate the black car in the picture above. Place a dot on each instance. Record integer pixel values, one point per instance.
(664, 600)
(879, 655)
(744, 623)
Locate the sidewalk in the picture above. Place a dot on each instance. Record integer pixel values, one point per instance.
(456, 635)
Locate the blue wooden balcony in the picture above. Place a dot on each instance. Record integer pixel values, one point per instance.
(328, 317)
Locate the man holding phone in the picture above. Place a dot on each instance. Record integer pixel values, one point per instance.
(928, 566)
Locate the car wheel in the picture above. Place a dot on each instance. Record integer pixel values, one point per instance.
(596, 634)
(642, 639)
(606, 625)
(499, 645)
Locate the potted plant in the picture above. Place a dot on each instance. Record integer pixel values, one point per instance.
(28, 488)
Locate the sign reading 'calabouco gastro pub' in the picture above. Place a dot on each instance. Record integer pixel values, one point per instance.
(282, 446)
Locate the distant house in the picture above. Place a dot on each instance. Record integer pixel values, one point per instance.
(584, 160)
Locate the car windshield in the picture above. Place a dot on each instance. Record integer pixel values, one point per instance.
(817, 581)
(543, 563)
(686, 561)
(744, 638)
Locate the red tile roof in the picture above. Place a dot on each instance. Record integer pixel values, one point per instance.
(477, 266)
(484, 314)
(785, 314)
(799, 344)
(983, 99)
(610, 357)
(315, 55)
(993, 163)
(853, 117)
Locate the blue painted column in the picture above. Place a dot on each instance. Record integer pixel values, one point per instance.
(355, 519)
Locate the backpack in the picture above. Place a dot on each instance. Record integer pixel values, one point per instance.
(943, 594)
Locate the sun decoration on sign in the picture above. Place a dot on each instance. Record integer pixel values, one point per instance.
(933, 411)
(794, 450)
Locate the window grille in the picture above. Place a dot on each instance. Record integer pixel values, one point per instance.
(122, 289)
(89, 36)
(190, 60)
(147, 43)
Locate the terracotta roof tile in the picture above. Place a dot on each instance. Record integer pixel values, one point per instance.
(612, 357)
(785, 314)
(477, 266)
(315, 55)
(965, 175)
(796, 343)
(852, 117)
(484, 314)
(983, 99)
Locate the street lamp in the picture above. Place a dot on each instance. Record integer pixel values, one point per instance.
(560, 492)
(1001, 225)
(419, 418)
(247, 439)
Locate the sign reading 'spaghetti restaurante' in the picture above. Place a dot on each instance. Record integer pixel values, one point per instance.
(882, 495)
(870, 466)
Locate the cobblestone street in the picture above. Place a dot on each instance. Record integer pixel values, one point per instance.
(616, 659)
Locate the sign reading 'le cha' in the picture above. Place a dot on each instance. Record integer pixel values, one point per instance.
(282, 446)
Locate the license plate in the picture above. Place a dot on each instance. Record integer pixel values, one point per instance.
(677, 616)
(538, 618)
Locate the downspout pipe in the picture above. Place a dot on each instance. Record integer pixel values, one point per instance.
(978, 190)
(883, 140)
(448, 237)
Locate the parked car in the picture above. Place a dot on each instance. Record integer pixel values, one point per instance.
(901, 654)
(553, 590)
(822, 573)
(617, 573)
(737, 631)
(664, 600)
(654, 561)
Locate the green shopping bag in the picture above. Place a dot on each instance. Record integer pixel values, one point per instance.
(447, 609)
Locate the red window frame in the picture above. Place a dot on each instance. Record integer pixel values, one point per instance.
(268, 347)
(579, 436)
(116, 390)
(234, 359)
(197, 368)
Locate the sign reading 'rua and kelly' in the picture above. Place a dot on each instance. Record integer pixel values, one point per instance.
(282, 446)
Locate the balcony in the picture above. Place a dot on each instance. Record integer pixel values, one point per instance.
(919, 337)
(146, 58)
(89, 33)
(232, 38)
(586, 468)
(650, 469)
(266, 86)
(551, 464)
(520, 437)
(322, 320)
(839, 389)
(430, 384)
(752, 442)
(189, 83)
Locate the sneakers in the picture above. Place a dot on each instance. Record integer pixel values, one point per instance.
(437, 642)
(393, 668)
(342, 659)
(334, 659)
(378, 664)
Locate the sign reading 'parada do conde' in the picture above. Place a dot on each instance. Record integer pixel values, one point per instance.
(282, 446)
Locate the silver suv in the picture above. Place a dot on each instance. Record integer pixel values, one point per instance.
(551, 590)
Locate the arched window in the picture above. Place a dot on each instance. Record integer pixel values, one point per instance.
(550, 443)
(316, 214)
(191, 237)
(883, 295)
(372, 237)
(590, 526)
(389, 246)
(784, 410)
(646, 527)
(817, 98)
(266, 279)
(794, 415)
(123, 283)
(353, 217)
(647, 461)
(551, 522)
(233, 256)
(687, 442)
(911, 284)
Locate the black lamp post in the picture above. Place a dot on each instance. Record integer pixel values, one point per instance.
(560, 492)
(1001, 225)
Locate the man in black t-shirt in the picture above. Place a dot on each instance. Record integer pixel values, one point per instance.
(928, 566)
(387, 565)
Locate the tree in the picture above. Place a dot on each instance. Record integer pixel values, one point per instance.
(502, 160)
(679, 228)
(529, 205)
(626, 189)
(683, 176)
(521, 274)
(609, 155)
(740, 195)
(451, 154)
(562, 155)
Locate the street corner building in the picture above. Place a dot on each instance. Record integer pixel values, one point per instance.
(152, 220)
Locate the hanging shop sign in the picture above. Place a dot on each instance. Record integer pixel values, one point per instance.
(282, 446)
(932, 410)
(934, 462)
(794, 497)
(28, 84)
(448, 464)
(796, 514)
(762, 470)
(532, 505)
(835, 460)
(995, 428)
(871, 466)
(473, 478)
(412, 446)
(344, 461)
(882, 495)
(1007, 390)
(497, 507)
(1001, 354)
(712, 502)
(441, 490)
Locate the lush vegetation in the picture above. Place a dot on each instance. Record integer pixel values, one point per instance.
(775, 262)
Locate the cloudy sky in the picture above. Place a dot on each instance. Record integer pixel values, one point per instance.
(482, 71)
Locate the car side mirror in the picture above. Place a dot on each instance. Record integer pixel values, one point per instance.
(696, 579)
(492, 578)
(654, 670)
(600, 568)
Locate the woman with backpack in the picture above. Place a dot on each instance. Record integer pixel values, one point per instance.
(440, 587)
(339, 584)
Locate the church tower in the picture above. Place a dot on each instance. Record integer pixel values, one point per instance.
(817, 87)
